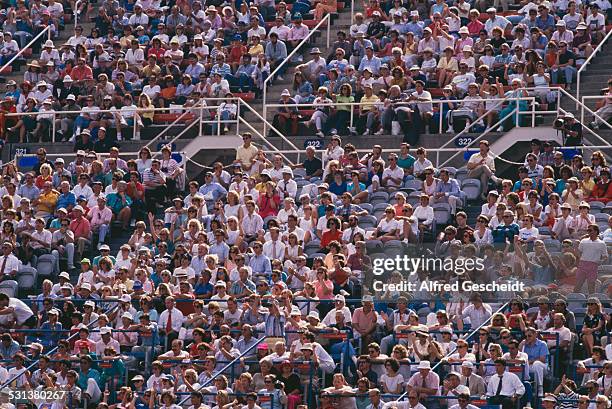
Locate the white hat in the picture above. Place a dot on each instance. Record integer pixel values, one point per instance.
(285, 93)
(313, 314)
(462, 389)
(367, 298)
(569, 115)
(307, 346)
(424, 365)
(59, 160)
(48, 43)
(90, 303)
(376, 13)
(491, 10)
(105, 330)
(197, 37)
(86, 286)
(295, 311)
(68, 78)
(78, 207)
(339, 297)
(560, 23)
(125, 298)
(65, 275)
(41, 84)
(220, 284)
(414, 13)
(48, 101)
(127, 315)
(467, 364)
(67, 286)
(53, 311)
(70, 97)
(288, 170)
(463, 30)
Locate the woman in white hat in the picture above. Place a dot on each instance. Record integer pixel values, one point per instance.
(32, 74)
(49, 53)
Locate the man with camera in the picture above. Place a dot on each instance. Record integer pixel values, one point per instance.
(571, 129)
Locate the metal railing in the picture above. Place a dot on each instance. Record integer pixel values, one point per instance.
(200, 106)
(262, 136)
(137, 111)
(594, 113)
(299, 48)
(226, 367)
(471, 334)
(30, 44)
(588, 61)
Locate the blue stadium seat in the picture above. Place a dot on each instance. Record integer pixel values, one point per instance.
(471, 188)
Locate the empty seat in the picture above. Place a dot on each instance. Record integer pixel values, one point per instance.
(366, 222)
(9, 287)
(461, 174)
(471, 188)
(442, 213)
(26, 277)
(45, 265)
(415, 184)
(367, 207)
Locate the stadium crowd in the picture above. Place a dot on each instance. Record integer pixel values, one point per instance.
(394, 59)
(273, 263)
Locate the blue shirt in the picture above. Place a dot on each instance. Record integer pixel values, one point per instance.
(223, 69)
(66, 199)
(503, 232)
(260, 264)
(373, 64)
(213, 188)
(544, 24)
(537, 350)
(451, 187)
(221, 250)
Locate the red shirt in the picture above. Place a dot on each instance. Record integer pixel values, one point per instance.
(329, 236)
(602, 192)
(80, 228)
(236, 53)
(131, 190)
(81, 73)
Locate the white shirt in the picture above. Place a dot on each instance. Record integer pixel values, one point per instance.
(177, 319)
(593, 250)
(21, 311)
(330, 318)
(12, 263)
(397, 173)
(426, 213)
(274, 249)
(511, 385)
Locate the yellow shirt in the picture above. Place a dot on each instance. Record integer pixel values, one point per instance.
(47, 202)
(254, 51)
(245, 155)
(367, 103)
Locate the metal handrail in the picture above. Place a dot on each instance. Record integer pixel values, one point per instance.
(587, 62)
(33, 364)
(188, 110)
(30, 44)
(595, 114)
(327, 19)
(137, 110)
(230, 364)
(265, 122)
(584, 107)
(403, 395)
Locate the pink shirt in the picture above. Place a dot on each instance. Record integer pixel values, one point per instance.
(81, 228)
(99, 217)
(362, 322)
